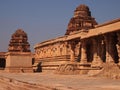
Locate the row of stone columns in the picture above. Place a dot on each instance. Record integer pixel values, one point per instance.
(108, 46)
(83, 52)
(109, 43)
(118, 46)
(83, 55)
(96, 52)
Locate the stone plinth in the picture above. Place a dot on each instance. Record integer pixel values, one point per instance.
(51, 64)
(69, 68)
(19, 62)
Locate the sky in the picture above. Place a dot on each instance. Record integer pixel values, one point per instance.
(46, 19)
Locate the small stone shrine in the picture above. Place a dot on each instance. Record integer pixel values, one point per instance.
(19, 56)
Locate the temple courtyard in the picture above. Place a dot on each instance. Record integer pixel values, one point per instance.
(86, 57)
(50, 81)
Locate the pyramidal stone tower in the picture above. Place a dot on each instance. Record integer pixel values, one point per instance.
(82, 20)
(18, 42)
(19, 57)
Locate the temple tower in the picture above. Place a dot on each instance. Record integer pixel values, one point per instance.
(18, 42)
(19, 57)
(82, 20)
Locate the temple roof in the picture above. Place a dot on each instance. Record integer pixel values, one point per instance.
(82, 11)
(19, 32)
(82, 20)
(18, 42)
(82, 7)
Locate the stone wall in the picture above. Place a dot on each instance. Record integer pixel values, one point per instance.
(52, 50)
(54, 54)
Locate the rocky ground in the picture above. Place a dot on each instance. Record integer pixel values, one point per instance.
(49, 81)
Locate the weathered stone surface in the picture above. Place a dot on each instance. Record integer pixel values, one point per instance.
(82, 19)
(68, 69)
(85, 42)
(110, 70)
(19, 57)
(19, 62)
(50, 81)
(86, 48)
(18, 42)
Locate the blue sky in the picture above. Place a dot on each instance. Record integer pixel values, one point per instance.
(47, 19)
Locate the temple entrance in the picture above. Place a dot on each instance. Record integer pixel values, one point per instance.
(111, 47)
(103, 52)
(89, 52)
(2, 63)
(115, 41)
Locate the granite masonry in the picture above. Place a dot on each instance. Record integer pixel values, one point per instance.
(19, 57)
(86, 48)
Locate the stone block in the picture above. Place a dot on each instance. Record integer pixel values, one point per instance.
(19, 62)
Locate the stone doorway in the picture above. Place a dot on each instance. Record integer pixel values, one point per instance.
(89, 52)
(111, 47)
(2, 63)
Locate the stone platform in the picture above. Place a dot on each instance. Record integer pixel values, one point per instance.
(19, 62)
(48, 81)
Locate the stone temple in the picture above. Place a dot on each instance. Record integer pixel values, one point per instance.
(19, 57)
(86, 48)
(18, 42)
(82, 19)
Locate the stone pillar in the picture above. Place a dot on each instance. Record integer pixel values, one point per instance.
(65, 48)
(72, 51)
(78, 51)
(83, 52)
(118, 46)
(109, 52)
(96, 52)
(103, 50)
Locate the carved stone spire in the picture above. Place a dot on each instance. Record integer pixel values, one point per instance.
(82, 19)
(18, 42)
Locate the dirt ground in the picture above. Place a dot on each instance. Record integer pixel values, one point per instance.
(49, 81)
